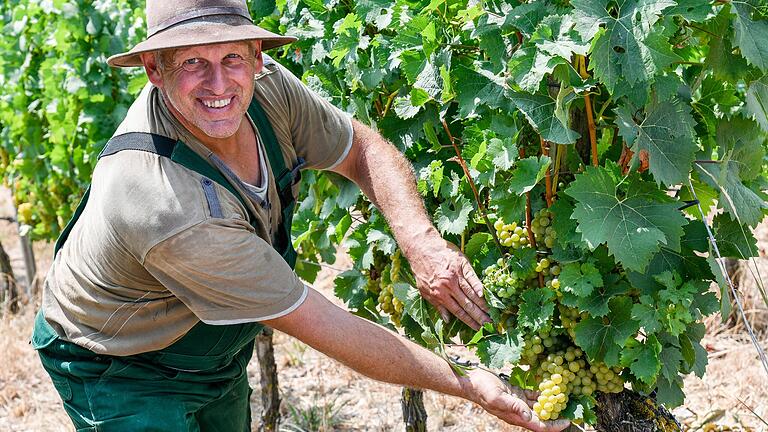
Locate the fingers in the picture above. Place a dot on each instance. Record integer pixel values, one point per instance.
(475, 288)
(444, 314)
(451, 304)
(472, 309)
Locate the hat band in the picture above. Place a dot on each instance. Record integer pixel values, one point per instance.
(197, 13)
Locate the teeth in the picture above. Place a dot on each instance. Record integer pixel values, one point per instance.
(217, 103)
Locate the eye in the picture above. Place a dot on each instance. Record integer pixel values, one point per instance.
(192, 61)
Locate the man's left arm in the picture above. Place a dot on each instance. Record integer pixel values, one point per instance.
(443, 274)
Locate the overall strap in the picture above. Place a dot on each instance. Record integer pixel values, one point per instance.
(160, 145)
(285, 179)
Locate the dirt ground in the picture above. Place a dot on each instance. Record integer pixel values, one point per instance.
(321, 395)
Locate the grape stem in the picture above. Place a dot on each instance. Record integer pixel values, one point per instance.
(582, 65)
(479, 202)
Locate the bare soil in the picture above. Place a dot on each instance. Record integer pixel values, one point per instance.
(321, 395)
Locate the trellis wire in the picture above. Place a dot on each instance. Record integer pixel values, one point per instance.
(729, 282)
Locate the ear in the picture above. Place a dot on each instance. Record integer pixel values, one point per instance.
(259, 58)
(151, 68)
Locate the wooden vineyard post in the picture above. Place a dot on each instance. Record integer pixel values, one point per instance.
(270, 396)
(9, 296)
(28, 253)
(414, 413)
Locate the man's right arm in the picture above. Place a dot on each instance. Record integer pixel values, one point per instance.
(385, 356)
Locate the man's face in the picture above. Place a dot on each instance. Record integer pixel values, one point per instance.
(208, 87)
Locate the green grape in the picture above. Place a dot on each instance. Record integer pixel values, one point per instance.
(391, 305)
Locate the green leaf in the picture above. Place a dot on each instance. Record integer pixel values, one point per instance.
(503, 152)
(564, 225)
(582, 408)
(648, 316)
(528, 173)
(691, 10)
(597, 302)
(452, 216)
(757, 101)
(415, 305)
(604, 338)
(670, 392)
(738, 200)
(536, 309)
(544, 114)
(666, 133)
(742, 143)
(751, 34)
(499, 350)
(350, 287)
(509, 205)
(477, 88)
(580, 280)
(726, 65)
(634, 224)
(476, 243)
(376, 12)
(642, 358)
(629, 48)
(694, 355)
(670, 358)
(734, 240)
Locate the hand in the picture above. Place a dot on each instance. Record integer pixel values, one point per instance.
(509, 403)
(446, 279)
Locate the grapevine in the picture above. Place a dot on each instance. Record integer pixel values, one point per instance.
(583, 131)
(574, 129)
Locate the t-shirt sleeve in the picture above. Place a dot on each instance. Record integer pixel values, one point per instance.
(321, 133)
(225, 274)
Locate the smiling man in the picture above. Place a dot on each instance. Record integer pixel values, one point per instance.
(180, 251)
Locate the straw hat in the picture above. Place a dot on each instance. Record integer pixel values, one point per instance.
(184, 23)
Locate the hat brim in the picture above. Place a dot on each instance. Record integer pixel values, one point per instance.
(200, 32)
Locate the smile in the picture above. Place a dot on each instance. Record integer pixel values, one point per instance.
(221, 103)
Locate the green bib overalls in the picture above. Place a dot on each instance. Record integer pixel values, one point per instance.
(199, 383)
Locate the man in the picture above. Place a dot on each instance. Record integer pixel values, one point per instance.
(178, 253)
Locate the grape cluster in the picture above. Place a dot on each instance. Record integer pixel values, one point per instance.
(569, 317)
(390, 304)
(511, 235)
(562, 370)
(500, 281)
(543, 232)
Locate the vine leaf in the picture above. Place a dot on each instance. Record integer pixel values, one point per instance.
(503, 152)
(627, 48)
(581, 407)
(452, 216)
(670, 392)
(751, 35)
(544, 114)
(537, 308)
(694, 355)
(597, 302)
(498, 350)
(634, 224)
(734, 240)
(742, 203)
(580, 280)
(527, 174)
(666, 133)
(670, 358)
(604, 338)
(757, 101)
(477, 88)
(642, 358)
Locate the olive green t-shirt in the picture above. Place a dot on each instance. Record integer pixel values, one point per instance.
(159, 248)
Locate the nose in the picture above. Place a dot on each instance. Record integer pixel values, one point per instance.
(216, 78)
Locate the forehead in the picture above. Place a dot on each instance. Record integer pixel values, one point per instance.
(213, 50)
